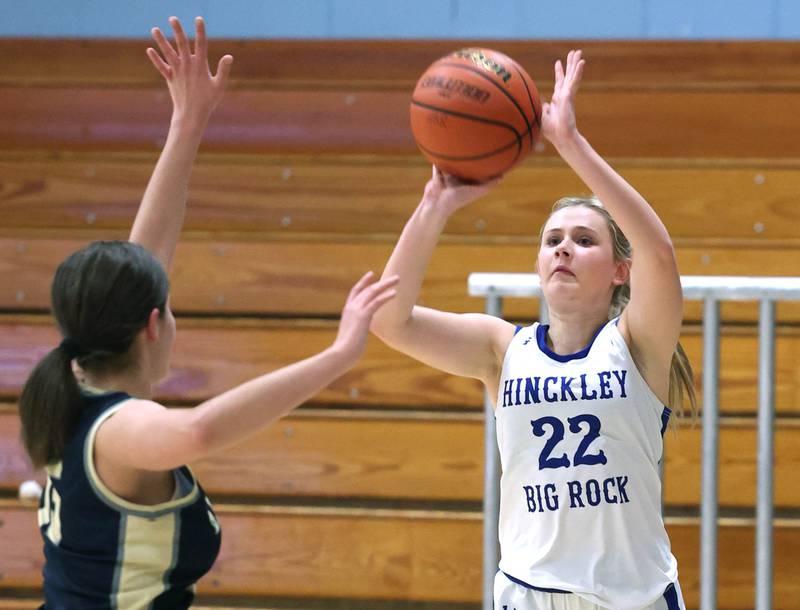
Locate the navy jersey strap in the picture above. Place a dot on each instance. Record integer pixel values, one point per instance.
(665, 419)
(522, 583)
(671, 597)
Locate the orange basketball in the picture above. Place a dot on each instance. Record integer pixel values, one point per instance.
(475, 114)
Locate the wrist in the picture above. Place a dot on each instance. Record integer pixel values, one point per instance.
(432, 211)
(570, 144)
(187, 124)
(343, 356)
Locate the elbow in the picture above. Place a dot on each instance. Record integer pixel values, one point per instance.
(388, 328)
(198, 438)
(378, 324)
(662, 251)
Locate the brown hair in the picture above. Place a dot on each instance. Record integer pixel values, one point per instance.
(681, 376)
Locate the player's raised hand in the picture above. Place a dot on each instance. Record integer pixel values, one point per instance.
(558, 116)
(195, 91)
(363, 301)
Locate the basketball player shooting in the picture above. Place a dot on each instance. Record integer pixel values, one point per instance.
(582, 403)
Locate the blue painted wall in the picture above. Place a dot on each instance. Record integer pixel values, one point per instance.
(604, 19)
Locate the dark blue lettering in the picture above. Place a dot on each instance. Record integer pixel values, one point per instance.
(581, 458)
(566, 386)
(605, 384)
(532, 390)
(620, 375)
(507, 391)
(550, 397)
(621, 483)
(550, 496)
(575, 494)
(539, 498)
(584, 394)
(545, 461)
(519, 387)
(530, 499)
(593, 492)
(610, 499)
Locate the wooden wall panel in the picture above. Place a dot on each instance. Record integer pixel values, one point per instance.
(211, 356)
(406, 555)
(428, 458)
(677, 64)
(309, 277)
(291, 195)
(667, 125)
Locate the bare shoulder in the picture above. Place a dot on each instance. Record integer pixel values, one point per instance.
(138, 408)
(127, 421)
(652, 361)
(497, 330)
(502, 335)
(501, 332)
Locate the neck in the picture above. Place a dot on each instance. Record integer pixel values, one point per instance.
(132, 382)
(571, 332)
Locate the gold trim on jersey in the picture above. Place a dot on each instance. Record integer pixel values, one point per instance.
(49, 513)
(147, 552)
(113, 500)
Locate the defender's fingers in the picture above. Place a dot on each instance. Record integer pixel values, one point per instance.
(359, 285)
(223, 70)
(375, 304)
(159, 63)
(181, 39)
(200, 41)
(166, 48)
(368, 292)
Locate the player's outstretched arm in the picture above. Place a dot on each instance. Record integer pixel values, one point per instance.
(652, 319)
(462, 344)
(195, 93)
(146, 436)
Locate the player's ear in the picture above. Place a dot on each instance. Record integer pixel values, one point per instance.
(151, 329)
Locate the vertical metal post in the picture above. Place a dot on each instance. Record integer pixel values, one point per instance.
(709, 507)
(766, 416)
(544, 312)
(491, 484)
(661, 465)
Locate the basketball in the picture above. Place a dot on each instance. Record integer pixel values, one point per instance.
(475, 114)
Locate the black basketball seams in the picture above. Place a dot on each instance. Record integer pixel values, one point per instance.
(518, 137)
(516, 142)
(536, 115)
(499, 87)
(471, 117)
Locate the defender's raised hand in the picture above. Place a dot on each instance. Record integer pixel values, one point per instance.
(194, 90)
(365, 298)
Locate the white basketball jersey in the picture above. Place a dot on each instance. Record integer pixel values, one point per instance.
(580, 439)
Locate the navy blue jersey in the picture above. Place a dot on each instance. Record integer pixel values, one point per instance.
(103, 552)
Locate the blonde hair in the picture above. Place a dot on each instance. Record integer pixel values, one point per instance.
(681, 376)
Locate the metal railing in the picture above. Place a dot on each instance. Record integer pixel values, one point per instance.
(711, 290)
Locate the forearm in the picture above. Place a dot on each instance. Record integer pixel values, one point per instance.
(409, 261)
(245, 409)
(160, 216)
(630, 210)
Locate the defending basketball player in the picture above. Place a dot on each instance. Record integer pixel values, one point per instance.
(125, 523)
(580, 403)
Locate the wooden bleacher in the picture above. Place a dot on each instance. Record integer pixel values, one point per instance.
(369, 497)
